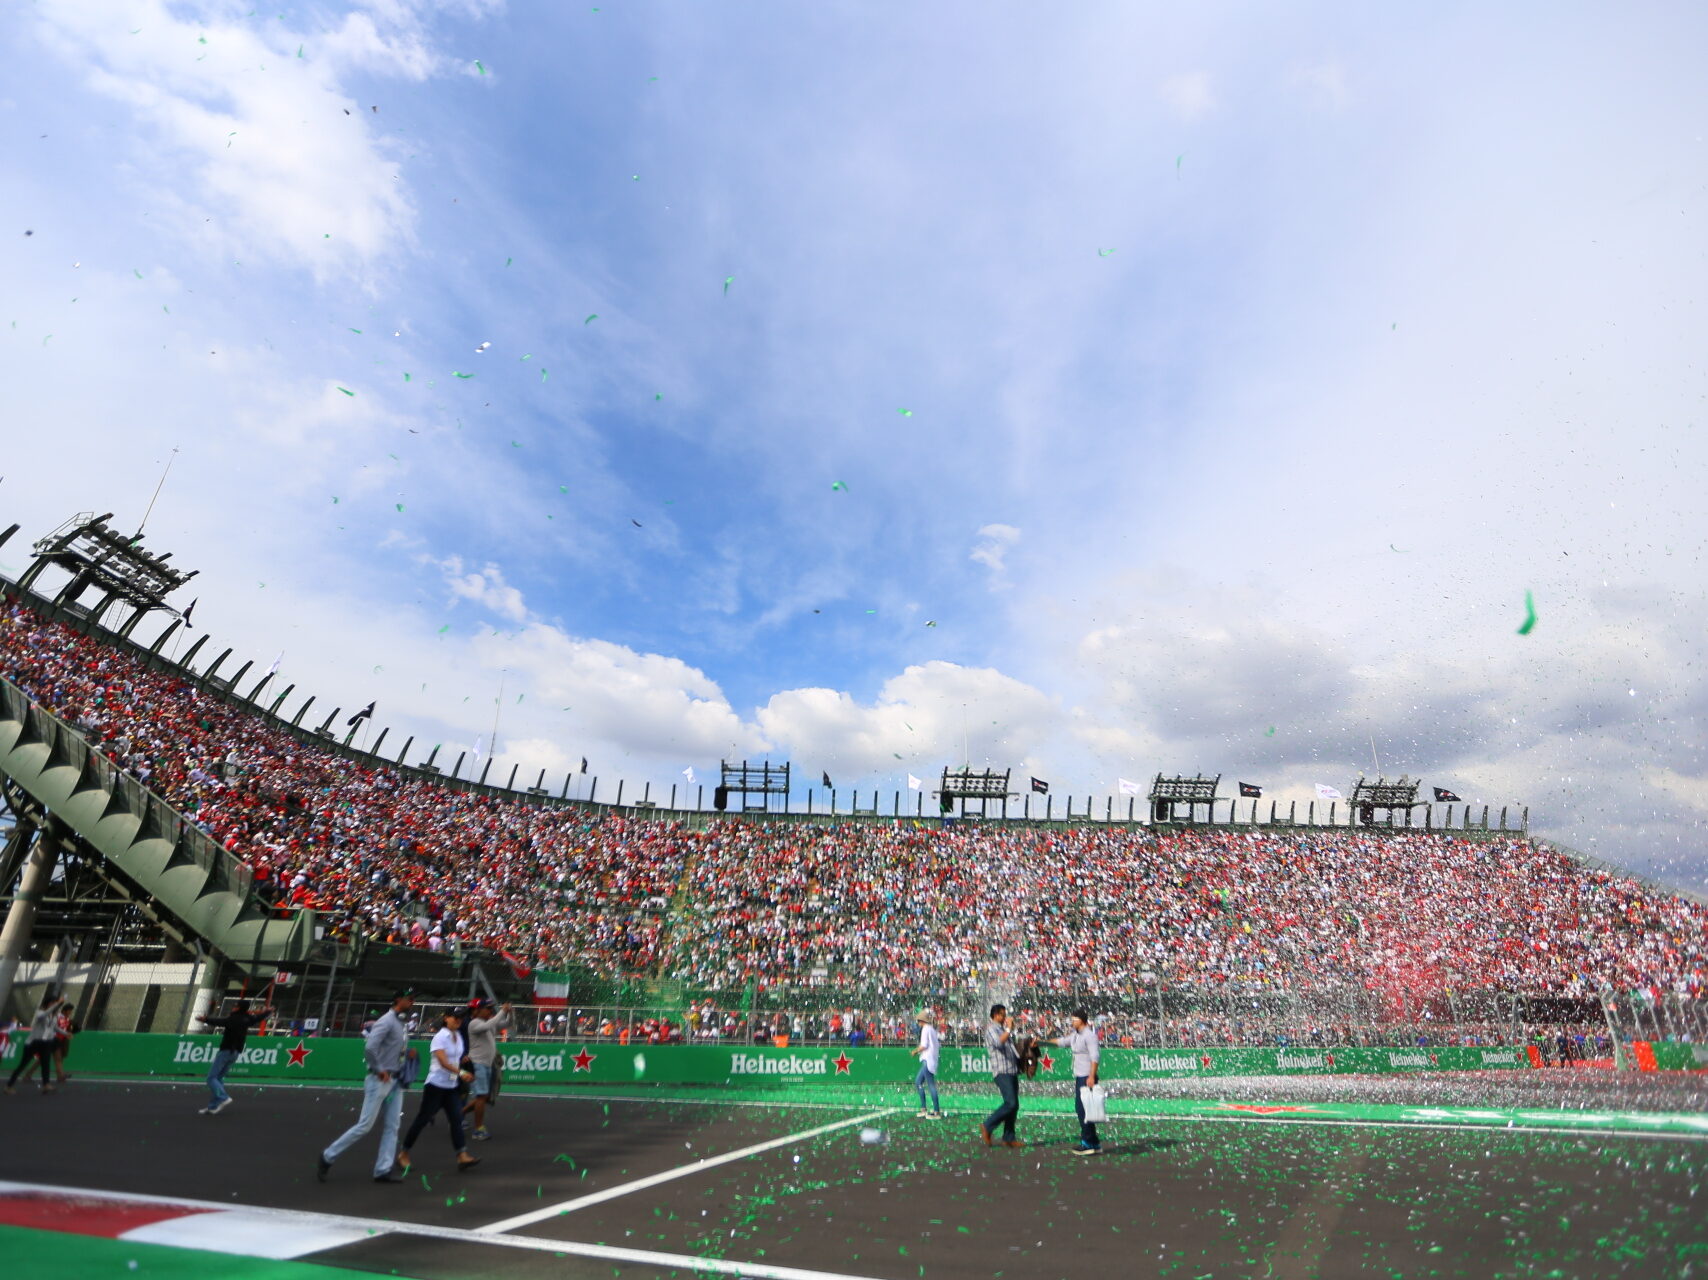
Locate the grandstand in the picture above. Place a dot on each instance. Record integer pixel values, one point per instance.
(245, 846)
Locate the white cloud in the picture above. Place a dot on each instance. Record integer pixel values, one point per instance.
(930, 714)
(485, 586)
(253, 152)
(996, 540)
(1189, 95)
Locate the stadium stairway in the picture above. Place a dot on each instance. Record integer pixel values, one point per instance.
(144, 847)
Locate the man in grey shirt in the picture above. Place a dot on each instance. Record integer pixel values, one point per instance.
(382, 1093)
(1087, 1057)
(1005, 1070)
(483, 1031)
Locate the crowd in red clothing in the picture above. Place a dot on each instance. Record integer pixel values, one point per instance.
(891, 907)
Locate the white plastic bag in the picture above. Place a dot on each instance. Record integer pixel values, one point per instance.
(1093, 1098)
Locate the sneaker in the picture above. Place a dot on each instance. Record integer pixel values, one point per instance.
(985, 1134)
(391, 1175)
(1083, 1150)
(322, 1167)
(219, 1106)
(465, 1163)
(921, 1115)
(479, 1135)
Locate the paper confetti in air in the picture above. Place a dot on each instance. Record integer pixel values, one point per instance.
(838, 485)
(590, 319)
(454, 373)
(478, 67)
(347, 391)
(1529, 622)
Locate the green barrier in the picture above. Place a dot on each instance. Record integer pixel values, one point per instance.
(1680, 1057)
(313, 1059)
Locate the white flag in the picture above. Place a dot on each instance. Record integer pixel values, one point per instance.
(688, 773)
(1328, 793)
(1127, 788)
(913, 783)
(477, 743)
(273, 670)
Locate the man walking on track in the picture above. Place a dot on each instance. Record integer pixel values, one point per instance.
(44, 1029)
(1005, 1070)
(927, 1051)
(483, 1056)
(1087, 1057)
(382, 1093)
(235, 1028)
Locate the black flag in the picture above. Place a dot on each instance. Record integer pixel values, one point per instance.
(191, 610)
(1040, 786)
(584, 764)
(1442, 795)
(827, 781)
(361, 715)
(1250, 790)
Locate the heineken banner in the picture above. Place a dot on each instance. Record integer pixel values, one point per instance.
(312, 1059)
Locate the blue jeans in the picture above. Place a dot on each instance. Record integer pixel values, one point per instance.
(927, 1079)
(1087, 1130)
(1009, 1087)
(383, 1100)
(216, 1073)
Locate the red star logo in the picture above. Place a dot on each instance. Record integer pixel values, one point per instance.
(299, 1056)
(1328, 1058)
(584, 1061)
(1204, 1061)
(1262, 1111)
(843, 1062)
(1047, 1062)
(1434, 1061)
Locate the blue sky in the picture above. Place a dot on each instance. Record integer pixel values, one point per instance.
(1255, 364)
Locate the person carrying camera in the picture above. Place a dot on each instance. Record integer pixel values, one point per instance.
(1005, 1071)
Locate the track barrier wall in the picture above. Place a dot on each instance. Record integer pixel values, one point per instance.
(310, 1059)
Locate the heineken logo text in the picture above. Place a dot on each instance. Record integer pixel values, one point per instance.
(756, 1064)
(190, 1051)
(527, 1061)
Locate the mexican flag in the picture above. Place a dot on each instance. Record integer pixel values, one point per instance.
(551, 990)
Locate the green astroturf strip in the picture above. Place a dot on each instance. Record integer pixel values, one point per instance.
(969, 1105)
(68, 1257)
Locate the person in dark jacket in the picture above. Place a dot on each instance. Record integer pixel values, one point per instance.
(44, 1027)
(235, 1028)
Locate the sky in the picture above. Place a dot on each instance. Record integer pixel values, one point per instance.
(1089, 391)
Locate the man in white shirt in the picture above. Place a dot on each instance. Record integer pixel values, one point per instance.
(928, 1051)
(1087, 1057)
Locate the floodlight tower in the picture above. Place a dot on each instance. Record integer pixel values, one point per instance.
(1179, 789)
(116, 564)
(981, 787)
(745, 780)
(1368, 797)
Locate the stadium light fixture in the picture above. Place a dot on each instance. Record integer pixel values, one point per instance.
(745, 780)
(980, 787)
(96, 555)
(1167, 792)
(1368, 797)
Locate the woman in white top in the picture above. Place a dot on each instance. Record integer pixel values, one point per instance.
(439, 1093)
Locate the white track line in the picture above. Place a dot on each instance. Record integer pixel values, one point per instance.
(669, 1175)
(368, 1227)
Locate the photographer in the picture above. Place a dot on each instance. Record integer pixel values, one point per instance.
(1005, 1071)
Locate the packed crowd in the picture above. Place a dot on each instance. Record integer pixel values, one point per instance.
(899, 907)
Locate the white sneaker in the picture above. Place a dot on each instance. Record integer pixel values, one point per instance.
(922, 1115)
(219, 1106)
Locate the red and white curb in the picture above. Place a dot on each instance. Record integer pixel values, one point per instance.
(182, 1224)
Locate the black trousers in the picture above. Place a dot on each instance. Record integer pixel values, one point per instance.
(35, 1051)
(434, 1100)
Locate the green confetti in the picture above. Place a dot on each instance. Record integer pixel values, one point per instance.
(838, 486)
(136, 273)
(400, 506)
(656, 396)
(299, 51)
(347, 391)
(1529, 622)
(335, 500)
(444, 628)
(455, 374)
(355, 330)
(528, 356)
(930, 624)
(542, 375)
(478, 67)
(508, 261)
(728, 281)
(1392, 547)
(406, 377)
(563, 488)
(590, 319)
(1271, 732)
(1104, 253)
